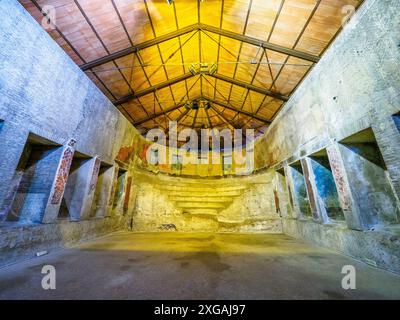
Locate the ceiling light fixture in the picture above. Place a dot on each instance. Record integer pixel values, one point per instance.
(198, 104)
(203, 68)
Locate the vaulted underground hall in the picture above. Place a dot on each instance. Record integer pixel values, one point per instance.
(195, 149)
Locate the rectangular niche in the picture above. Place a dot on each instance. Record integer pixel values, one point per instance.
(368, 178)
(396, 119)
(75, 189)
(326, 187)
(118, 202)
(300, 189)
(30, 189)
(102, 191)
(154, 160)
(177, 161)
(281, 194)
(227, 164)
(202, 163)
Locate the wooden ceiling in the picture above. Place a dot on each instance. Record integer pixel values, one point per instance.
(139, 53)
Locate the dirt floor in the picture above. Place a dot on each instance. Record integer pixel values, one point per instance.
(128, 265)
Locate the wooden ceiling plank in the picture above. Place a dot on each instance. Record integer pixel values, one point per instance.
(101, 41)
(59, 31)
(249, 114)
(252, 80)
(138, 47)
(219, 39)
(158, 114)
(175, 107)
(241, 46)
(158, 47)
(225, 120)
(260, 43)
(153, 88)
(251, 87)
(297, 40)
(86, 40)
(180, 46)
(202, 27)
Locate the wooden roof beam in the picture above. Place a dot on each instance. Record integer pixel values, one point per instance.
(152, 89)
(230, 107)
(251, 87)
(138, 47)
(185, 76)
(260, 43)
(197, 27)
(158, 114)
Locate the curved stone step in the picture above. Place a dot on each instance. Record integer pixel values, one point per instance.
(203, 198)
(199, 205)
(186, 193)
(201, 188)
(201, 212)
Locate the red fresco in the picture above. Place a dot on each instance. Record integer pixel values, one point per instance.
(125, 153)
(310, 191)
(113, 187)
(343, 192)
(277, 205)
(143, 154)
(127, 193)
(95, 175)
(62, 176)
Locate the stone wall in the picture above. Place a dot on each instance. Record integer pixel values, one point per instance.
(345, 112)
(235, 204)
(376, 248)
(52, 117)
(350, 99)
(42, 92)
(19, 242)
(254, 210)
(354, 86)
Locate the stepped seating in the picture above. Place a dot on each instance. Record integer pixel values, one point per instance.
(205, 199)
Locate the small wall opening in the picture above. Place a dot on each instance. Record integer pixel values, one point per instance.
(33, 178)
(119, 189)
(176, 165)
(396, 119)
(300, 189)
(281, 195)
(102, 191)
(326, 186)
(127, 194)
(154, 159)
(368, 178)
(202, 163)
(74, 193)
(227, 164)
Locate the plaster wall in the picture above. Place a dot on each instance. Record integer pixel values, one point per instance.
(354, 87)
(44, 94)
(235, 204)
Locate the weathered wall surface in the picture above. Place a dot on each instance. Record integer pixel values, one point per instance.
(353, 91)
(255, 208)
(23, 242)
(379, 249)
(235, 204)
(43, 94)
(355, 85)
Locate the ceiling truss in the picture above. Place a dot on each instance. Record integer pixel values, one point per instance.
(232, 111)
(199, 27)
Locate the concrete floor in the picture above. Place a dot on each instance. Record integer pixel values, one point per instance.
(128, 265)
